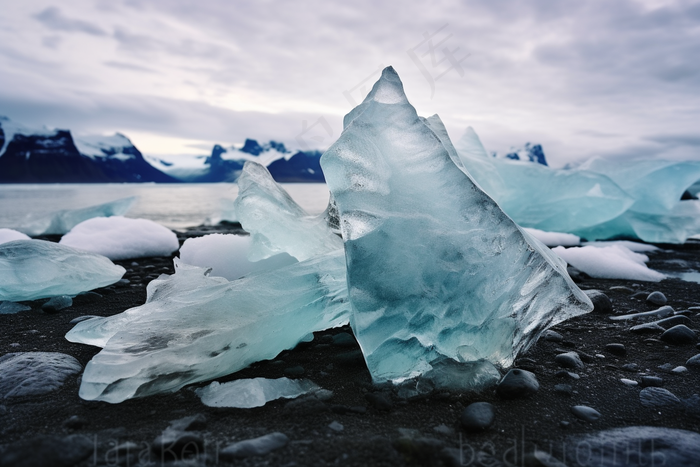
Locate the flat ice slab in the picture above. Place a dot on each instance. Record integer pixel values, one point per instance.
(32, 269)
(255, 392)
(122, 238)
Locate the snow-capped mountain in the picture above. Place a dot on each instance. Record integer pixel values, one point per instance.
(225, 164)
(529, 152)
(40, 155)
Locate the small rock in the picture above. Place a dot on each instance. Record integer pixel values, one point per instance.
(552, 336)
(616, 349)
(567, 374)
(75, 423)
(122, 283)
(679, 370)
(56, 304)
(662, 312)
(631, 367)
(657, 298)
(629, 382)
(254, 447)
(652, 381)
(673, 321)
(657, 397)
(647, 328)
(679, 335)
(576, 274)
(344, 339)
(478, 416)
(586, 358)
(47, 450)
(564, 424)
(585, 413)
(516, 384)
(173, 444)
(694, 362)
(444, 430)
(82, 318)
(336, 426)
(601, 302)
(569, 360)
(564, 389)
(379, 400)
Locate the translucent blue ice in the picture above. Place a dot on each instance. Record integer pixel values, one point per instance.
(61, 222)
(32, 269)
(195, 328)
(435, 269)
(255, 392)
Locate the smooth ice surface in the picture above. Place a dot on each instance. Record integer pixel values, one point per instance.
(554, 238)
(31, 269)
(276, 222)
(195, 328)
(60, 222)
(35, 373)
(9, 235)
(255, 392)
(10, 308)
(609, 262)
(122, 238)
(600, 199)
(227, 256)
(435, 268)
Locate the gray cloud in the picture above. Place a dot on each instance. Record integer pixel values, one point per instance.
(129, 66)
(52, 18)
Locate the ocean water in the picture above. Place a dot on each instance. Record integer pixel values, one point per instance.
(175, 206)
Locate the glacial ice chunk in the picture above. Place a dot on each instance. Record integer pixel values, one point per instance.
(9, 235)
(195, 328)
(435, 268)
(32, 269)
(35, 373)
(227, 256)
(122, 238)
(276, 222)
(610, 262)
(255, 392)
(60, 222)
(551, 239)
(11, 308)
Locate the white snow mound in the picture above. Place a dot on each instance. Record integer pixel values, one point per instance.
(554, 238)
(122, 238)
(8, 235)
(609, 262)
(227, 256)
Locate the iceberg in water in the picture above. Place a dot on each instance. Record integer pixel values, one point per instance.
(276, 222)
(255, 392)
(435, 269)
(32, 269)
(195, 328)
(60, 222)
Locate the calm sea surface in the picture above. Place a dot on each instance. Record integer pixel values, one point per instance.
(176, 206)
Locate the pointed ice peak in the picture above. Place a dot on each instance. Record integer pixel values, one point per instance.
(470, 144)
(387, 90)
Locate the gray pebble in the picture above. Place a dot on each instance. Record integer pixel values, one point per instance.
(552, 336)
(601, 302)
(694, 362)
(56, 304)
(254, 447)
(567, 374)
(646, 328)
(616, 349)
(569, 360)
(585, 413)
(564, 389)
(336, 426)
(516, 384)
(673, 320)
(679, 335)
(657, 298)
(631, 367)
(478, 416)
(344, 339)
(652, 381)
(657, 397)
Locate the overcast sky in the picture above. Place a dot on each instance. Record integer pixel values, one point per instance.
(583, 78)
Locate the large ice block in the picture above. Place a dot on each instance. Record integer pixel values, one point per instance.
(195, 328)
(32, 269)
(435, 268)
(60, 222)
(277, 224)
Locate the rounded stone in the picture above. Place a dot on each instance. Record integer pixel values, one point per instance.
(56, 304)
(657, 298)
(478, 416)
(585, 413)
(516, 384)
(657, 397)
(552, 336)
(694, 362)
(652, 381)
(569, 360)
(616, 349)
(601, 302)
(679, 335)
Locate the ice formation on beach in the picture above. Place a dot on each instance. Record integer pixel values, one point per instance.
(255, 392)
(434, 278)
(435, 268)
(122, 238)
(551, 239)
(195, 328)
(31, 269)
(9, 235)
(276, 222)
(609, 262)
(227, 256)
(600, 199)
(60, 222)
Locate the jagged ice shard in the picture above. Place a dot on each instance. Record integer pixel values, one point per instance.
(32, 269)
(435, 269)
